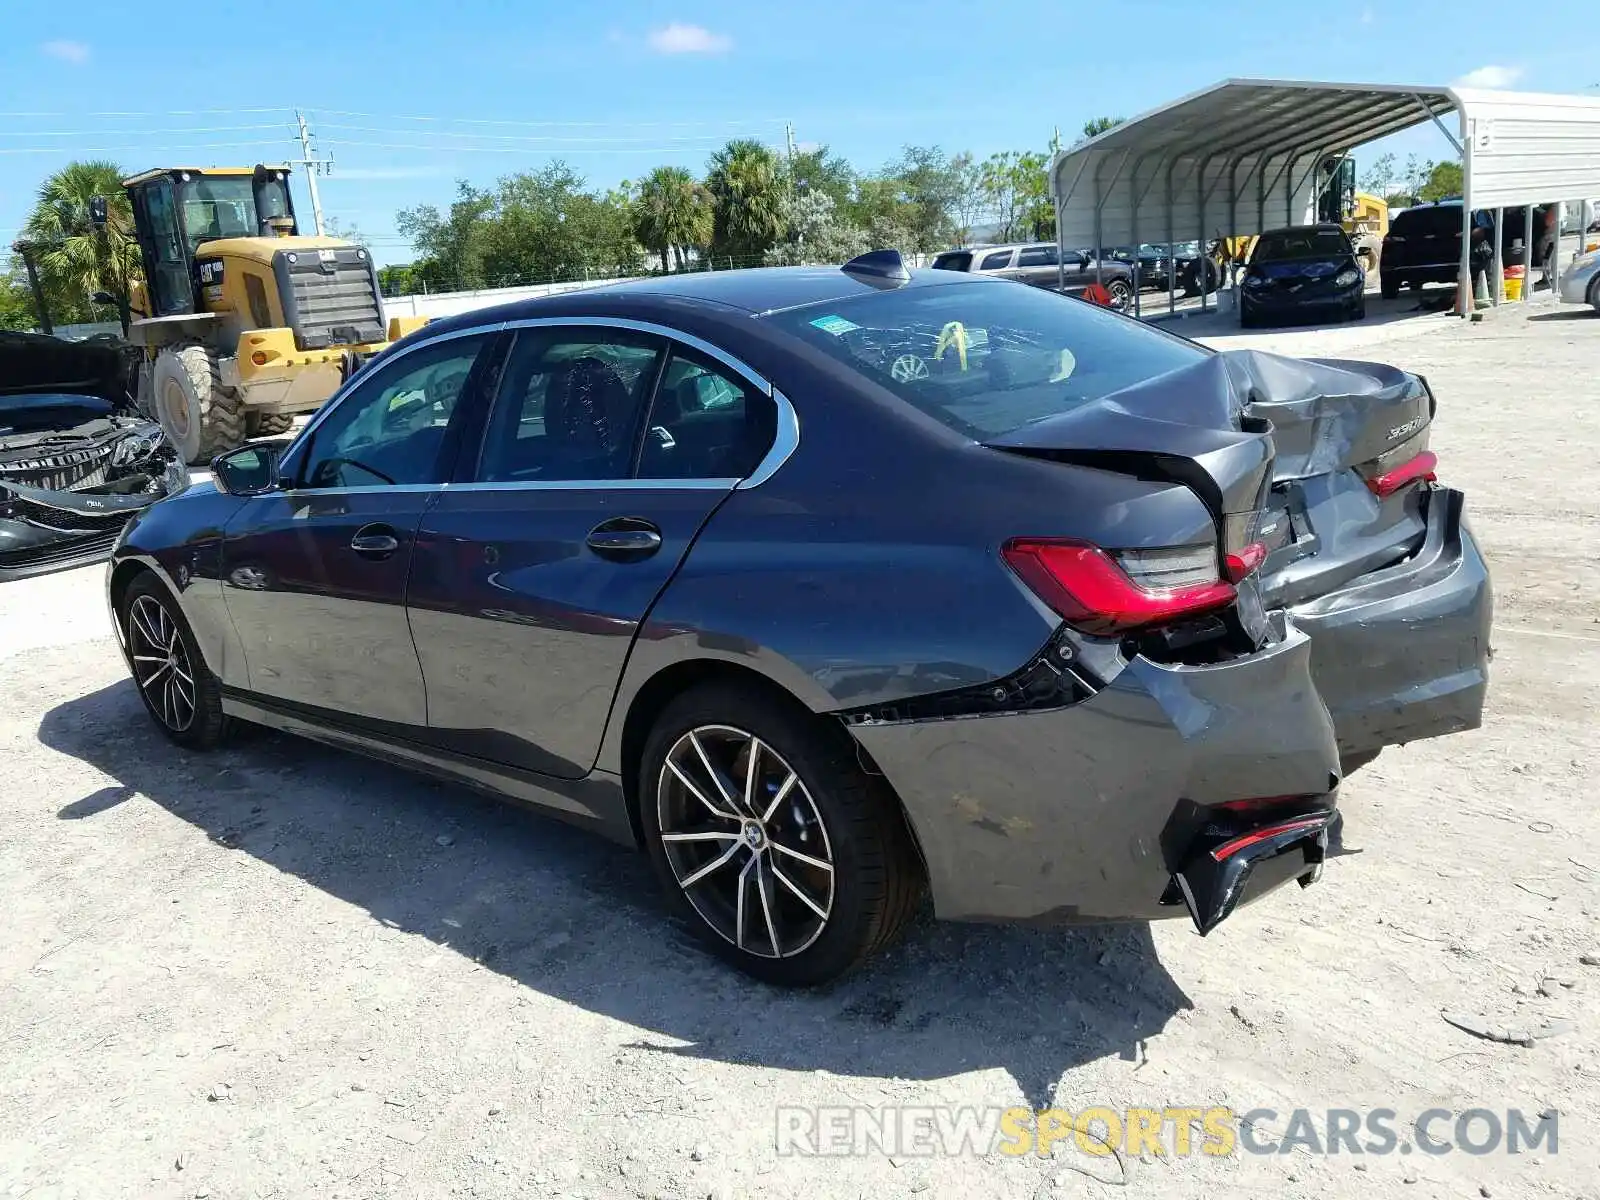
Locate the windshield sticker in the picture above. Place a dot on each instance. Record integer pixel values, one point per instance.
(835, 325)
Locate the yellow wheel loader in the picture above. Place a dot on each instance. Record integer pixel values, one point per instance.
(244, 323)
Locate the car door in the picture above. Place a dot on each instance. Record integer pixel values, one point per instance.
(1037, 265)
(534, 568)
(314, 574)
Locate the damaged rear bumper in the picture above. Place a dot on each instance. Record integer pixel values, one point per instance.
(1403, 653)
(1088, 812)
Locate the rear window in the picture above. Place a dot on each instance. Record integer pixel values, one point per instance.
(1283, 244)
(985, 359)
(956, 260)
(1415, 221)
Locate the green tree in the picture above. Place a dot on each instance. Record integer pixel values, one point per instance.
(1379, 177)
(449, 246)
(75, 258)
(821, 170)
(1095, 126)
(816, 233)
(747, 191)
(931, 187)
(17, 309)
(1016, 188)
(672, 213)
(399, 279)
(1444, 179)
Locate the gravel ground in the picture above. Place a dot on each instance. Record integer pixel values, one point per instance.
(281, 971)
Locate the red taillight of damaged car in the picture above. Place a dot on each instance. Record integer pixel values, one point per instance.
(1423, 467)
(1100, 594)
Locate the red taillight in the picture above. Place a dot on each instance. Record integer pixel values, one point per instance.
(1422, 466)
(1241, 564)
(1228, 849)
(1090, 591)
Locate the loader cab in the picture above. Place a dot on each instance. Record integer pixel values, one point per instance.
(177, 210)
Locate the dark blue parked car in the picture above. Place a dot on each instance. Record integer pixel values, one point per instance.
(834, 587)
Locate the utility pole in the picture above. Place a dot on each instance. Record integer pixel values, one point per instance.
(788, 134)
(313, 166)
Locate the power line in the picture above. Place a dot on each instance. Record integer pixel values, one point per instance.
(506, 137)
(23, 133)
(437, 149)
(145, 149)
(176, 112)
(344, 112)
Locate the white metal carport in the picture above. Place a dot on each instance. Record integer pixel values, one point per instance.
(1242, 157)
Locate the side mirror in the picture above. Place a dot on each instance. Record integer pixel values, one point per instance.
(103, 298)
(249, 470)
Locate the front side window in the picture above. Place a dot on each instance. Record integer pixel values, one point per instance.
(569, 405)
(985, 358)
(390, 430)
(217, 207)
(1037, 256)
(706, 423)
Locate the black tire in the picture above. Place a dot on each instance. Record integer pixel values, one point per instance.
(1121, 293)
(268, 424)
(874, 885)
(199, 416)
(1389, 288)
(205, 725)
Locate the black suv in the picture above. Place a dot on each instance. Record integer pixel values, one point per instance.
(1423, 244)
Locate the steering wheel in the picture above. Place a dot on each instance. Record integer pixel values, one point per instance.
(330, 467)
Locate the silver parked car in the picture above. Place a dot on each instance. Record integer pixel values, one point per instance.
(1037, 263)
(1580, 282)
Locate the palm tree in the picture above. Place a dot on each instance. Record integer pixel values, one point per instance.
(671, 213)
(746, 184)
(75, 258)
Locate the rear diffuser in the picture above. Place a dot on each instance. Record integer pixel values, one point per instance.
(1220, 874)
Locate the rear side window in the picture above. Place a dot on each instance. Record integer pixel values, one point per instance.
(985, 358)
(955, 260)
(997, 261)
(706, 423)
(1415, 222)
(1037, 256)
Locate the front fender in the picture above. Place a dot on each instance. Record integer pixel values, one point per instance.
(179, 540)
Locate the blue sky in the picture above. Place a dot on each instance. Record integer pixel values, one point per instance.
(409, 96)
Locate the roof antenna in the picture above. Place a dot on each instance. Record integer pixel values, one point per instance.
(879, 264)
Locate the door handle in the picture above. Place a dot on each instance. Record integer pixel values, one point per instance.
(625, 539)
(375, 541)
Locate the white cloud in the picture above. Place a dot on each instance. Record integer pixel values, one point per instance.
(1490, 77)
(76, 53)
(678, 38)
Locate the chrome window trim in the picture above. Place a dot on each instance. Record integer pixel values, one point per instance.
(785, 441)
(384, 489)
(579, 485)
(783, 445)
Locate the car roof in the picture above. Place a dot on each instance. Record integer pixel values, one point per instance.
(752, 291)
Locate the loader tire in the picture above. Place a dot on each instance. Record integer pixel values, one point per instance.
(199, 416)
(268, 424)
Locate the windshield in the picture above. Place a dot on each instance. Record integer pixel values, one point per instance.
(225, 206)
(1285, 244)
(987, 359)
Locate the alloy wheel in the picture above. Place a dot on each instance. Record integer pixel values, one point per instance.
(745, 841)
(161, 664)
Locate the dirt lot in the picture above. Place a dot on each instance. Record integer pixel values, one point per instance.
(279, 971)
